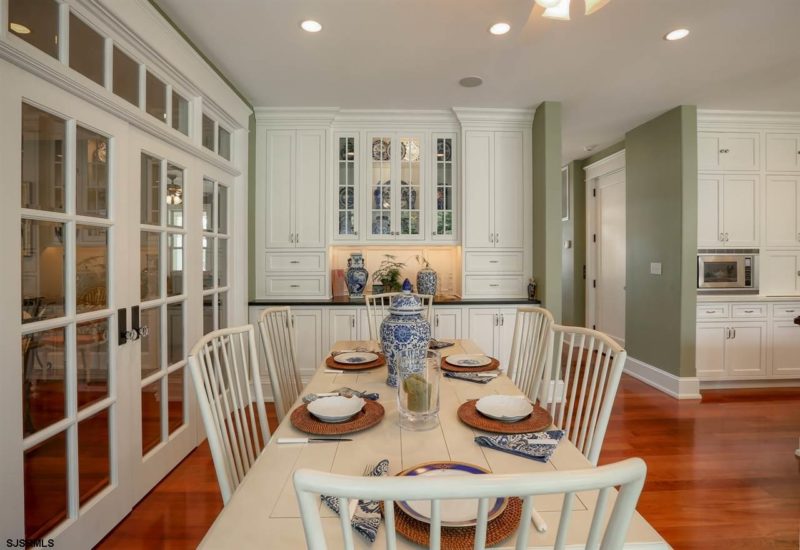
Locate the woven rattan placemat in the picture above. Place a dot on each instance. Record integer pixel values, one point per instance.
(370, 415)
(539, 420)
(332, 364)
(494, 365)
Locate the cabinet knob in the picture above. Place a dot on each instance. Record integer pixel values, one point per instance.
(493, 261)
(723, 151)
(294, 262)
(493, 285)
(294, 286)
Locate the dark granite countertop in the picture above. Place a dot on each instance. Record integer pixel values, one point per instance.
(437, 300)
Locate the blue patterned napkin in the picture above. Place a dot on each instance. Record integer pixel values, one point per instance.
(367, 518)
(524, 445)
(469, 377)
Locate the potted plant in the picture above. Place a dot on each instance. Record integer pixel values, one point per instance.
(388, 274)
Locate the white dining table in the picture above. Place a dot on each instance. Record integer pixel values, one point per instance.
(263, 511)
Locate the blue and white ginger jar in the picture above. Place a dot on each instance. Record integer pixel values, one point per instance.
(427, 280)
(356, 275)
(404, 332)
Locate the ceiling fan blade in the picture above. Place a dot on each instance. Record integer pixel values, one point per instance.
(594, 5)
(560, 11)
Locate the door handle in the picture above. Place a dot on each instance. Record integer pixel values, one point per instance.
(497, 238)
(721, 237)
(353, 322)
(436, 320)
(491, 237)
(297, 237)
(502, 320)
(734, 333)
(294, 262)
(493, 261)
(496, 320)
(125, 335)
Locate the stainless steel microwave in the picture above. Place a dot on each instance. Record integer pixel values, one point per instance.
(727, 272)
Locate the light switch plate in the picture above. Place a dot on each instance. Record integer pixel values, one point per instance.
(655, 268)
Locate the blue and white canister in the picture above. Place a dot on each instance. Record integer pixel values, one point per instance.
(404, 332)
(427, 281)
(356, 275)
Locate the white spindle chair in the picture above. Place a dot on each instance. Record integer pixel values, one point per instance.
(531, 349)
(587, 366)
(628, 475)
(276, 326)
(224, 366)
(378, 309)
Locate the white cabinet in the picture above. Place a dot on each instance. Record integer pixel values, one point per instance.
(731, 350)
(294, 194)
(308, 340)
(494, 189)
(493, 330)
(785, 348)
(735, 151)
(782, 212)
(727, 209)
(783, 152)
(343, 324)
(780, 272)
(446, 323)
(444, 197)
(363, 323)
(346, 190)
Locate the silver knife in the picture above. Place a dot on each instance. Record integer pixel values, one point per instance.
(283, 440)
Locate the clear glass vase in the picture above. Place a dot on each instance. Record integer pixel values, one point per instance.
(418, 389)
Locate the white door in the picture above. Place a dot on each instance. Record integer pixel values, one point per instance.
(739, 210)
(709, 208)
(308, 340)
(64, 389)
(785, 349)
(782, 219)
(745, 350)
(309, 189)
(342, 325)
(446, 323)
(710, 345)
(505, 336)
(483, 328)
(509, 206)
(610, 255)
(783, 152)
(278, 196)
(780, 272)
(168, 231)
(478, 221)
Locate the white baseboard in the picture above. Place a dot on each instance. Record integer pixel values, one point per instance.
(687, 387)
(734, 384)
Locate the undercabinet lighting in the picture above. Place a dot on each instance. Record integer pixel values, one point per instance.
(500, 28)
(677, 34)
(19, 28)
(310, 25)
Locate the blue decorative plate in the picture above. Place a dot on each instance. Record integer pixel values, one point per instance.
(454, 513)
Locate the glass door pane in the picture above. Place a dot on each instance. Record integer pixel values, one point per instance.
(347, 199)
(443, 207)
(410, 187)
(380, 200)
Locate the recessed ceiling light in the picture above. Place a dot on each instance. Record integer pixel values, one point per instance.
(310, 25)
(500, 28)
(677, 34)
(19, 28)
(471, 81)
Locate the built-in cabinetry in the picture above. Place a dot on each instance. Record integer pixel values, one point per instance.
(729, 151)
(747, 341)
(728, 205)
(493, 330)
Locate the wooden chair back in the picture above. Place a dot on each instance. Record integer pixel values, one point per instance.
(276, 326)
(531, 349)
(606, 533)
(225, 371)
(586, 369)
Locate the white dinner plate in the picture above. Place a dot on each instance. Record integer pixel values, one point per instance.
(506, 408)
(355, 357)
(335, 409)
(454, 513)
(468, 360)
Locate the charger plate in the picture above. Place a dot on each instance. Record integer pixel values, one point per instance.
(538, 420)
(369, 416)
(494, 365)
(331, 363)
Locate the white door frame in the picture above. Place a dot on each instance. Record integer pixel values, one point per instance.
(603, 167)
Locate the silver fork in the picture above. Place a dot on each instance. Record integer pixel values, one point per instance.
(353, 507)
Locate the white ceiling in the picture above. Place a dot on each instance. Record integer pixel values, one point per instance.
(611, 70)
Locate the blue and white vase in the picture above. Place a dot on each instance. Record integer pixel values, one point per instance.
(427, 281)
(356, 275)
(404, 332)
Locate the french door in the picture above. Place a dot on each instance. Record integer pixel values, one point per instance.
(102, 225)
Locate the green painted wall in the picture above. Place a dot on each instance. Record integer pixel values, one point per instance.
(547, 205)
(661, 194)
(573, 259)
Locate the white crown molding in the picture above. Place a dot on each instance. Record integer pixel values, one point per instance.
(361, 118)
(54, 72)
(295, 116)
(481, 117)
(718, 119)
(405, 117)
(606, 165)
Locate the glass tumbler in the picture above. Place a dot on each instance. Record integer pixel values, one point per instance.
(418, 377)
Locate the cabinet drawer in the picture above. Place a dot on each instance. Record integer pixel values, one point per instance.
(713, 311)
(785, 311)
(749, 311)
(493, 262)
(295, 261)
(295, 286)
(477, 285)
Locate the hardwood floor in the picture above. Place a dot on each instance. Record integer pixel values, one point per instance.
(721, 473)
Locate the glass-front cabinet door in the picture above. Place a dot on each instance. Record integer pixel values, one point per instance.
(395, 200)
(346, 193)
(444, 201)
